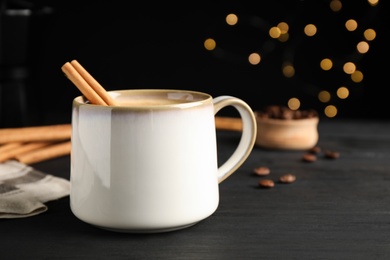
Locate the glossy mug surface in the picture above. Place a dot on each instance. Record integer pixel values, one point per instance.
(150, 163)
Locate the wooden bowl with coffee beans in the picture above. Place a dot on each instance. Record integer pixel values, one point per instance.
(281, 128)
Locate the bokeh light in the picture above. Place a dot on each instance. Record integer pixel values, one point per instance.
(351, 25)
(310, 30)
(210, 44)
(349, 67)
(335, 5)
(373, 2)
(275, 32)
(344, 39)
(362, 47)
(326, 64)
(254, 58)
(288, 70)
(231, 19)
(283, 27)
(342, 92)
(324, 96)
(357, 76)
(330, 111)
(294, 103)
(369, 34)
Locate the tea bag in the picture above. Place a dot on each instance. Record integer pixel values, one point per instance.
(24, 190)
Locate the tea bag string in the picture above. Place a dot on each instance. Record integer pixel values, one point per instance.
(88, 86)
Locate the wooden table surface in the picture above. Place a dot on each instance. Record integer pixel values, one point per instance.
(336, 209)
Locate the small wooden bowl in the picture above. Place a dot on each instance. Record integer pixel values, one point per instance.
(287, 134)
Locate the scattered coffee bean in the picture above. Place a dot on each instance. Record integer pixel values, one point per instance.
(309, 157)
(287, 178)
(315, 150)
(262, 171)
(331, 154)
(266, 183)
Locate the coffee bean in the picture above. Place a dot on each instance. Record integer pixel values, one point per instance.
(332, 154)
(266, 183)
(309, 157)
(287, 178)
(315, 150)
(262, 171)
(285, 113)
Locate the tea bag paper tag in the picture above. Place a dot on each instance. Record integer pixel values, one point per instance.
(24, 190)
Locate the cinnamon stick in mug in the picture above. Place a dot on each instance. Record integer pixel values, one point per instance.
(73, 75)
(93, 83)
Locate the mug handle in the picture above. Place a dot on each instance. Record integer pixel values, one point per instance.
(248, 136)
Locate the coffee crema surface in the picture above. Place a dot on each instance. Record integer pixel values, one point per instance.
(157, 97)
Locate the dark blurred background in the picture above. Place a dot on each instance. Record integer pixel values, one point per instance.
(128, 44)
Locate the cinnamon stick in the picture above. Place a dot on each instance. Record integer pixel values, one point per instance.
(228, 123)
(93, 83)
(13, 153)
(82, 85)
(45, 153)
(84, 81)
(9, 146)
(35, 133)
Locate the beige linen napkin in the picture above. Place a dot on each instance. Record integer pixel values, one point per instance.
(24, 190)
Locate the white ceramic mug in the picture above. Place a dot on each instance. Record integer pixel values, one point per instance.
(150, 163)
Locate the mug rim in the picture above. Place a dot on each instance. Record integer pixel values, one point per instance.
(199, 98)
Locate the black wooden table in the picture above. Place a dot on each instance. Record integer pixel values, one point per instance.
(336, 209)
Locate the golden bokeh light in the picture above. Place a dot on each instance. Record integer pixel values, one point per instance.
(349, 67)
(330, 111)
(254, 58)
(324, 96)
(210, 44)
(369, 34)
(294, 103)
(335, 5)
(338, 65)
(342, 92)
(362, 47)
(373, 2)
(284, 37)
(310, 30)
(283, 27)
(326, 64)
(351, 25)
(357, 76)
(231, 19)
(288, 70)
(275, 32)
